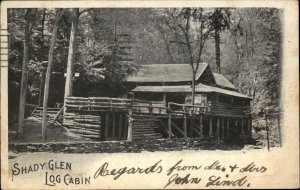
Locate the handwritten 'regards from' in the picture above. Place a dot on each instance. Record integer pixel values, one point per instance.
(175, 173)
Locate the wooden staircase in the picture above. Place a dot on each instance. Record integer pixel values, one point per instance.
(51, 114)
(145, 127)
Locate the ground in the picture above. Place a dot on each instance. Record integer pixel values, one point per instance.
(33, 133)
(59, 139)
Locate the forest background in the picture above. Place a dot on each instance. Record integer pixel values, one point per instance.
(113, 43)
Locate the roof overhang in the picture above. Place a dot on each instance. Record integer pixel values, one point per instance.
(200, 88)
(158, 73)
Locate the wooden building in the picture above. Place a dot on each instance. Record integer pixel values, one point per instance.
(159, 105)
(223, 105)
(164, 83)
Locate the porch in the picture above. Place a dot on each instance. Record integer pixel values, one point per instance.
(102, 119)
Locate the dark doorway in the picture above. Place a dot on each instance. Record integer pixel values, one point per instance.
(176, 97)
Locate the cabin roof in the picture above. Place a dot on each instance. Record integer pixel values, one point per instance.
(222, 81)
(174, 73)
(187, 88)
(166, 73)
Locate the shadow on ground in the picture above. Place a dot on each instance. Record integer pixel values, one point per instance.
(60, 140)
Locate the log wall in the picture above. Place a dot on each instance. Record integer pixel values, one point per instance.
(88, 126)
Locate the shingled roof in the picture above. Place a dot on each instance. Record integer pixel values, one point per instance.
(187, 88)
(222, 81)
(175, 73)
(166, 73)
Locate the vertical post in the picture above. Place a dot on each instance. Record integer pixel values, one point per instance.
(165, 98)
(200, 124)
(249, 127)
(110, 103)
(223, 128)
(184, 126)
(191, 128)
(169, 126)
(120, 125)
(218, 129)
(243, 132)
(129, 129)
(267, 129)
(125, 127)
(210, 126)
(236, 124)
(150, 108)
(106, 125)
(113, 134)
(279, 131)
(227, 126)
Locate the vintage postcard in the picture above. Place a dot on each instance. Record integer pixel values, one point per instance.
(149, 94)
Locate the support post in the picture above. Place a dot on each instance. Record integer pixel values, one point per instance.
(223, 128)
(210, 126)
(218, 129)
(184, 126)
(129, 129)
(191, 128)
(243, 132)
(125, 128)
(120, 126)
(165, 98)
(169, 126)
(106, 125)
(114, 125)
(227, 126)
(249, 127)
(200, 124)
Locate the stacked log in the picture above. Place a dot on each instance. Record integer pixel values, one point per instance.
(88, 126)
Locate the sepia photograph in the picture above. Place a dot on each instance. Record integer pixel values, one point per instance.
(92, 82)
(167, 79)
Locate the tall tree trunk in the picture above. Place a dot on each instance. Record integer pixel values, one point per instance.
(193, 87)
(71, 54)
(43, 23)
(42, 77)
(24, 79)
(59, 13)
(217, 46)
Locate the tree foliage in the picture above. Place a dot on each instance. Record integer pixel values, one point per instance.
(112, 43)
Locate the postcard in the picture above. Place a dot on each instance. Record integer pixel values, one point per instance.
(149, 94)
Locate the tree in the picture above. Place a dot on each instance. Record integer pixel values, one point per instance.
(219, 21)
(71, 54)
(104, 57)
(24, 79)
(59, 13)
(202, 33)
(255, 46)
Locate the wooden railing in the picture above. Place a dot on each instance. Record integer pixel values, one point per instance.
(150, 107)
(114, 104)
(187, 108)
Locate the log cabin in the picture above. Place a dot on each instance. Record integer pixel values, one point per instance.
(164, 83)
(168, 84)
(159, 105)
